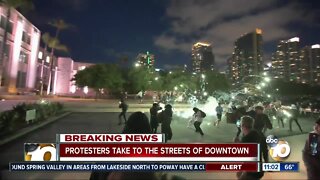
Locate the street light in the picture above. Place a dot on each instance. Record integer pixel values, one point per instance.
(175, 88)
(170, 72)
(205, 94)
(265, 73)
(269, 96)
(267, 79)
(263, 84)
(181, 85)
(203, 76)
(137, 64)
(156, 78)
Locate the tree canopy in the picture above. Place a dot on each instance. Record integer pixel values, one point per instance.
(100, 76)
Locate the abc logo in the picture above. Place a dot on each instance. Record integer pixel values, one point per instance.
(279, 149)
(40, 152)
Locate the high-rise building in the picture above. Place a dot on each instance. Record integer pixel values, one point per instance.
(286, 60)
(247, 56)
(309, 68)
(146, 60)
(202, 57)
(20, 47)
(315, 63)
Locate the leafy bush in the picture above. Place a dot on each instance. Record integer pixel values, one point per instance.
(16, 118)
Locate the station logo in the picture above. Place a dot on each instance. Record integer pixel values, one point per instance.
(40, 152)
(279, 150)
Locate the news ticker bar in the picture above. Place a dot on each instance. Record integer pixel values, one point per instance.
(200, 167)
(95, 152)
(280, 167)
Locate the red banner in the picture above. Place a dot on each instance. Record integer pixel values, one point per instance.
(233, 166)
(175, 152)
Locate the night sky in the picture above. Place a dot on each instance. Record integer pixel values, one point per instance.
(107, 30)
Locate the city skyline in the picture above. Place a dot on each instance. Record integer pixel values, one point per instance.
(169, 28)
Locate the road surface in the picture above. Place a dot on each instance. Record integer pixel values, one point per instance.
(103, 122)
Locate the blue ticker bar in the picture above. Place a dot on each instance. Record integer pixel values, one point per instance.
(289, 166)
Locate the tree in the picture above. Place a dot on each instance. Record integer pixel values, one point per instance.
(54, 44)
(139, 79)
(60, 25)
(216, 81)
(179, 80)
(100, 76)
(10, 4)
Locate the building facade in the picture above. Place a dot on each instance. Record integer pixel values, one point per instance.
(246, 57)
(65, 71)
(286, 60)
(19, 65)
(202, 57)
(145, 60)
(309, 69)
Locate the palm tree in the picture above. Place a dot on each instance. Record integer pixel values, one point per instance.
(10, 4)
(54, 44)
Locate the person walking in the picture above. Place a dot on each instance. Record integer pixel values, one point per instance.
(153, 117)
(124, 108)
(198, 118)
(165, 118)
(311, 152)
(261, 120)
(294, 117)
(140, 96)
(219, 111)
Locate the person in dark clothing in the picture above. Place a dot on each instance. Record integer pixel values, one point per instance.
(124, 108)
(311, 157)
(153, 117)
(261, 120)
(138, 123)
(251, 135)
(294, 117)
(165, 118)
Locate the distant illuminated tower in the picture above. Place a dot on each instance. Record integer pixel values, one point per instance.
(146, 60)
(202, 57)
(286, 60)
(309, 68)
(246, 59)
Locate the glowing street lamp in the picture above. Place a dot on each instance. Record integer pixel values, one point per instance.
(181, 85)
(245, 90)
(137, 65)
(267, 79)
(156, 78)
(175, 88)
(269, 96)
(263, 84)
(205, 94)
(203, 76)
(265, 73)
(170, 72)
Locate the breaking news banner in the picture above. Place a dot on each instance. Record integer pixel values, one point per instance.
(158, 152)
(110, 138)
(59, 166)
(281, 167)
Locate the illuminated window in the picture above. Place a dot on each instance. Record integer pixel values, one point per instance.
(40, 55)
(48, 59)
(23, 57)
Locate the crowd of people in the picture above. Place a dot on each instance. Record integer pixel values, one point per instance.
(252, 121)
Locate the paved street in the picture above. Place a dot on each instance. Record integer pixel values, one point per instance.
(107, 123)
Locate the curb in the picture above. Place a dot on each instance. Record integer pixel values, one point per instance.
(33, 128)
